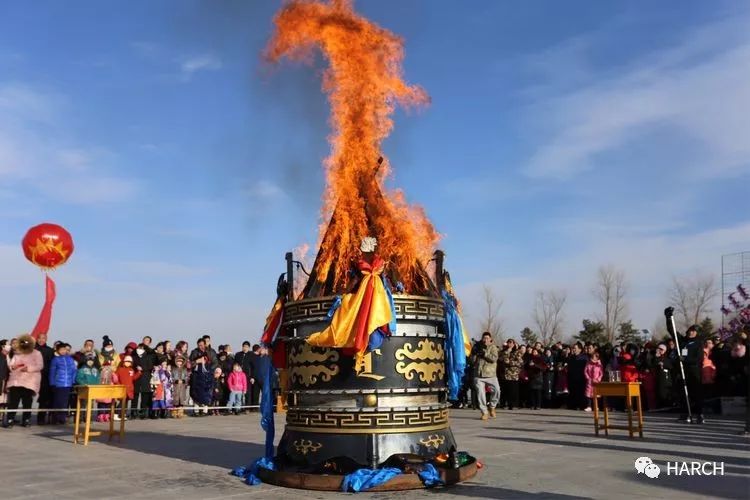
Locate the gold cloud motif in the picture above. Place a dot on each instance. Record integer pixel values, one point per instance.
(426, 350)
(310, 374)
(305, 353)
(428, 372)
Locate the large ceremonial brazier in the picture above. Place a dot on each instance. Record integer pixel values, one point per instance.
(394, 404)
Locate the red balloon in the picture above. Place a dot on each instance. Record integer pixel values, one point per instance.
(47, 245)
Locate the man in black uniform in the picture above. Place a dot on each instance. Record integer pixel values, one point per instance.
(246, 359)
(691, 348)
(45, 391)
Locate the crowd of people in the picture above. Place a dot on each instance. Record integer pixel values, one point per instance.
(161, 380)
(165, 381)
(562, 376)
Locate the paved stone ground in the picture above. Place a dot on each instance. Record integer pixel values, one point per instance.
(539, 454)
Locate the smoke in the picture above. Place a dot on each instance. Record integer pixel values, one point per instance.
(281, 134)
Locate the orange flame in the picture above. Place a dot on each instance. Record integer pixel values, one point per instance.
(364, 84)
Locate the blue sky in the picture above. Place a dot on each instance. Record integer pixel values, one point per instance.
(561, 136)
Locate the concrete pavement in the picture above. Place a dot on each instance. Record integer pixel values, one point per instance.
(527, 454)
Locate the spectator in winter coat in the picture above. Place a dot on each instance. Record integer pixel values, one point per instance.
(594, 372)
(237, 384)
(88, 373)
(88, 346)
(129, 351)
(144, 360)
(199, 351)
(4, 370)
(548, 379)
(108, 356)
(201, 385)
(213, 359)
(62, 378)
(127, 375)
(663, 376)
(576, 378)
(219, 391)
(512, 359)
(181, 350)
(247, 360)
(180, 378)
(536, 369)
(485, 358)
(45, 391)
(161, 384)
(24, 379)
(226, 362)
(562, 391)
(628, 364)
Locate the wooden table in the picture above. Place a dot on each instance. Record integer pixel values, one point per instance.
(628, 390)
(89, 393)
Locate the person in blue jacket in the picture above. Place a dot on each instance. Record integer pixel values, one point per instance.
(62, 378)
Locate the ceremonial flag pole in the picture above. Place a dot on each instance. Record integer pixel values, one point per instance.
(669, 313)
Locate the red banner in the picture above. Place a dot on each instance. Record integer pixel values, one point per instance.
(42, 324)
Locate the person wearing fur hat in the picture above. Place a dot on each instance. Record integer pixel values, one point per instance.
(24, 380)
(62, 377)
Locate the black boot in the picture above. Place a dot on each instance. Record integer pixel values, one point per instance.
(26, 420)
(7, 423)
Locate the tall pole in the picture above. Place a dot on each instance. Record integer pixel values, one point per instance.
(290, 276)
(669, 313)
(439, 281)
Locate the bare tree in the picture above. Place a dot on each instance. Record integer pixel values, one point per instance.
(659, 330)
(692, 297)
(610, 291)
(492, 322)
(548, 314)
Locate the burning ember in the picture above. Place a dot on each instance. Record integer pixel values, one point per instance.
(364, 83)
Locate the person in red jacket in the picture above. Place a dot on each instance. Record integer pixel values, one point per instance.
(126, 375)
(628, 366)
(237, 383)
(129, 350)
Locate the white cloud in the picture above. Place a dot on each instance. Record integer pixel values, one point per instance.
(76, 159)
(21, 101)
(185, 65)
(697, 88)
(88, 190)
(163, 269)
(649, 262)
(44, 160)
(200, 62)
(264, 191)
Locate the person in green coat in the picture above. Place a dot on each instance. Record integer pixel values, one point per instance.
(88, 373)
